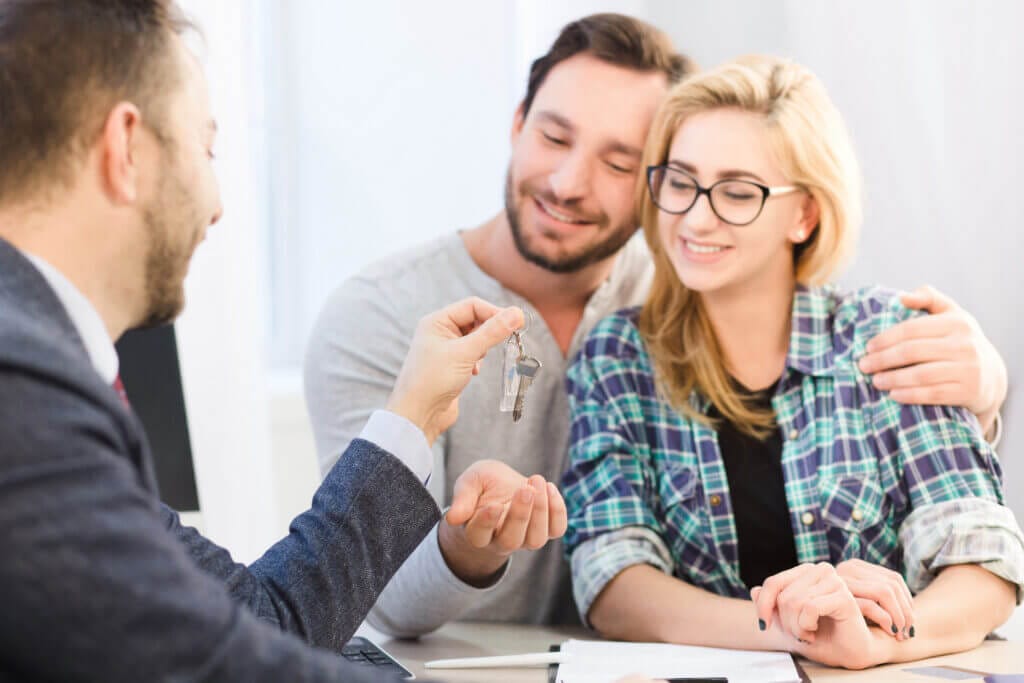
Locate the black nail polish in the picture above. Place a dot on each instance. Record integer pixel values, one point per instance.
(761, 625)
(911, 631)
(894, 629)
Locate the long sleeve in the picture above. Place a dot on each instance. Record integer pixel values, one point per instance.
(321, 580)
(100, 582)
(946, 476)
(425, 594)
(609, 487)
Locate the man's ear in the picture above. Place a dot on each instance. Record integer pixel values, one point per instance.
(119, 153)
(518, 121)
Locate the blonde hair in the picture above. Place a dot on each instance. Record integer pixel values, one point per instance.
(812, 147)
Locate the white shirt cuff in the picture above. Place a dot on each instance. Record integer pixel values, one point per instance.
(402, 439)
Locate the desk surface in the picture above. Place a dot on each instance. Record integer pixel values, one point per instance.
(483, 640)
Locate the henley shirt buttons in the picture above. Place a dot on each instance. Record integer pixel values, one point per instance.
(716, 500)
(857, 515)
(807, 518)
(793, 434)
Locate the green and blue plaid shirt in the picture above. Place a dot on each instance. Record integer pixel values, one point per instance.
(912, 488)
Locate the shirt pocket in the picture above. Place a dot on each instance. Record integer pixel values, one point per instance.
(854, 513)
(682, 508)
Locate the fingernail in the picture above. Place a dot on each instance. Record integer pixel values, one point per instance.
(912, 631)
(894, 629)
(761, 625)
(511, 316)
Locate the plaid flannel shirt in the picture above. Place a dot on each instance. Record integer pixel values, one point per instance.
(912, 488)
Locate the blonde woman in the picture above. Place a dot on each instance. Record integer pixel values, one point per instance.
(725, 446)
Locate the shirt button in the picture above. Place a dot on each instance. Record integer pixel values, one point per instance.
(793, 434)
(807, 518)
(857, 515)
(716, 500)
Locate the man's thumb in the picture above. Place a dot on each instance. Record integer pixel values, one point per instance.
(464, 499)
(495, 330)
(927, 299)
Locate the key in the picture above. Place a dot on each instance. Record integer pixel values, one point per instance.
(527, 368)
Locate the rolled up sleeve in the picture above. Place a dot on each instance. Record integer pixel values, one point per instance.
(599, 560)
(963, 531)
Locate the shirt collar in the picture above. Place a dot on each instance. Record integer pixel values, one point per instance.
(810, 339)
(84, 317)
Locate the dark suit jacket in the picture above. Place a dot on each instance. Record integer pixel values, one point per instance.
(100, 582)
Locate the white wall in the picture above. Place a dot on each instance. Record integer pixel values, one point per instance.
(375, 143)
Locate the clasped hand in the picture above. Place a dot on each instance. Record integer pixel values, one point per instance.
(848, 615)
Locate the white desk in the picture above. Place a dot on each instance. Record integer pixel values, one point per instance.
(482, 640)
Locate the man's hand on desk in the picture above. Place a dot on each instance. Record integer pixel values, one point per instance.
(444, 355)
(496, 511)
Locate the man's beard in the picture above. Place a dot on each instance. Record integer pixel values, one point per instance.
(168, 214)
(564, 262)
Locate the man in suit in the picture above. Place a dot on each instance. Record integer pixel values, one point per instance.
(106, 189)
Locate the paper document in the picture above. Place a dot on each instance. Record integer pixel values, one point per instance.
(603, 661)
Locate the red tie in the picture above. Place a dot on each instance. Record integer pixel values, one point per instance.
(119, 388)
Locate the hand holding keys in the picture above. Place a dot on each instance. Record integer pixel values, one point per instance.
(442, 358)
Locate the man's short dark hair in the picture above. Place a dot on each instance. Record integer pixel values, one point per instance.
(64, 64)
(614, 38)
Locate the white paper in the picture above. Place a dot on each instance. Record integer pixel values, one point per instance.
(605, 661)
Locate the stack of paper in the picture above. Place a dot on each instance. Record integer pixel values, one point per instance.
(601, 661)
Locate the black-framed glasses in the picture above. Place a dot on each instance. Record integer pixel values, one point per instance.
(735, 201)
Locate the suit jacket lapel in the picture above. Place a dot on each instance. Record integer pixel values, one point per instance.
(24, 289)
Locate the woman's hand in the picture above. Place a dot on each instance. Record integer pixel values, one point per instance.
(882, 595)
(812, 604)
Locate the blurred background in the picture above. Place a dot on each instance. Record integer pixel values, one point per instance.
(352, 129)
